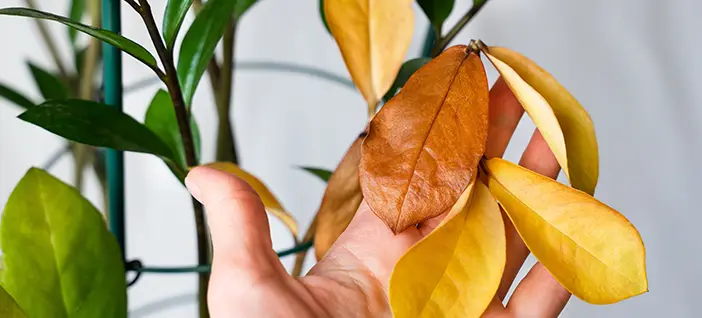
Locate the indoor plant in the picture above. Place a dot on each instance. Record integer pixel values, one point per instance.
(179, 149)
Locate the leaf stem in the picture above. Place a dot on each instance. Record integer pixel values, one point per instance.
(170, 78)
(49, 42)
(445, 40)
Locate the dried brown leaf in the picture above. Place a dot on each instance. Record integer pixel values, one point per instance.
(341, 200)
(424, 145)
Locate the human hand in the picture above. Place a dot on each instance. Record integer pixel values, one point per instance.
(352, 279)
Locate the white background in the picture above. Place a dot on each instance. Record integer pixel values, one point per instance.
(634, 64)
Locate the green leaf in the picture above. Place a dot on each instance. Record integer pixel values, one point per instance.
(8, 306)
(323, 15)
(76, 14)
(173, 19)
(319, 172)
(437, 11)
(161, 119)
(15, 97)
(109, 37)
(242, 6)
(200, 42)
(406, 71)
(49, 85)
(59, 258)
(96, 124)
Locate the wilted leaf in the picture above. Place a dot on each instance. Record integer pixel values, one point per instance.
(15, 97)
(200, 42)
(436, 10)
(76, 14)
(341, 200)
(97, 125)
(564, 123)
(173, 19)
(591, 249)
(8, 306)
(322, 174)
(161, 119)
(271, 203)
(408, 68)
(424, 145)
(109, 37)
(373, 37)
(456, 270)
(59, 259)
(49, 85)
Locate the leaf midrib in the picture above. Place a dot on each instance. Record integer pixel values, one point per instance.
(45, 215)
(426, 137)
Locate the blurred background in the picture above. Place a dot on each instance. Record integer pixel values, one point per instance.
(633, 65)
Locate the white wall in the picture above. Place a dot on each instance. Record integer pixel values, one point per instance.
(633, 64)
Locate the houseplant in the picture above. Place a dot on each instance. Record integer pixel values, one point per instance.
(382, 34)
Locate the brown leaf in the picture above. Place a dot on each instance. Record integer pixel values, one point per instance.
(424, 145)
(341, 200)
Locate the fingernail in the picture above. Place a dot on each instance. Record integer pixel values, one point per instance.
(193, 188)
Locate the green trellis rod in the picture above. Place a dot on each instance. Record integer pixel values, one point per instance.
(114, 160)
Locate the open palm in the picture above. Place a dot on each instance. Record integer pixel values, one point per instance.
(352, 279)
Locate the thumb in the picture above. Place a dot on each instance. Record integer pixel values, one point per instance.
(237, 220)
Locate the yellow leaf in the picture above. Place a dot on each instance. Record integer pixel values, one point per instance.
(341, 200)
(373, 36)
(272, 204)
(564, 123)
(591, 249)
(454, 271)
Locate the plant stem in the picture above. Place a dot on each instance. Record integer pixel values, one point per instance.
(444, 41)
(183, 118)
(203, 257)
(86, 91)
(49, 42)
(226, 146)
(82, 153)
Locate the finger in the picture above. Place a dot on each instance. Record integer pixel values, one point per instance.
(538, 158)
(237, 220)
(504, 115)
(538, 295)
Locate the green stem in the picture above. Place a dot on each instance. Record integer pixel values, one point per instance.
(444, 41)
(226, 144)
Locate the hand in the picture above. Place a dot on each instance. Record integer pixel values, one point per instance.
(352, 279)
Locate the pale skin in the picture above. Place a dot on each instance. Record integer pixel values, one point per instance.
(351, 280)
